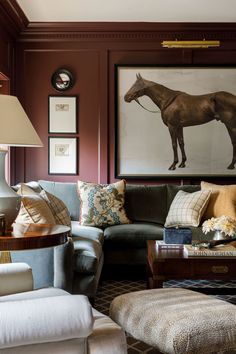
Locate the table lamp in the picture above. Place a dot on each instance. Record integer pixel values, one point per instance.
(15, 130)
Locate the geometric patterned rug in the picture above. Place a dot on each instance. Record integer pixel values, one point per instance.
(109, 289)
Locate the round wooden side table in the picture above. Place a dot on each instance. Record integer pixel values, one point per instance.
(29, 236)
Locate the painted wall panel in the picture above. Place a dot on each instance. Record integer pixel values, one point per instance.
(91, 53)
(39, 66)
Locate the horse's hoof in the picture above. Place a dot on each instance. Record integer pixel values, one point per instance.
(182, 165)
(231, 166)
(172, 168)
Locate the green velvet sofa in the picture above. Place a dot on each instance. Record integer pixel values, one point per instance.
(147, 206)
(115, 246)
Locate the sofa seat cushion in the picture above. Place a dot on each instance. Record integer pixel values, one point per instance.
(135, 234)
(88, 232)
(87, 254)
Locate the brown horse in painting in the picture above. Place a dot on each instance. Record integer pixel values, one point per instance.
(179, 110)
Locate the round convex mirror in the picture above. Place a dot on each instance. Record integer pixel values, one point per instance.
(62, 80)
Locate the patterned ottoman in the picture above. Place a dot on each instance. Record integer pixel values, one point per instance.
(177, 320)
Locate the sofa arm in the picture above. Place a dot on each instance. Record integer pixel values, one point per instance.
(15, 278)
(43, 320)
(86, 232)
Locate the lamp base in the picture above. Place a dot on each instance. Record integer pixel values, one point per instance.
(9, 200)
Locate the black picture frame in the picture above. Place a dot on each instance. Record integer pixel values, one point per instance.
(63, 155)
(62, 114)
(143, 148)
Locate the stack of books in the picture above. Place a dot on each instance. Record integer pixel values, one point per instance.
(228, 250)
(163, 245)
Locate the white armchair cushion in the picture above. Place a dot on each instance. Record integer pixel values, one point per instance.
(35, 294)
(49, 319)
(15, 277)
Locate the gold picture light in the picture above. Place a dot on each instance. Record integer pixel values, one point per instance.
(190, 44)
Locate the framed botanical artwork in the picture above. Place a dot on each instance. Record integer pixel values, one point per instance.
(62, 114)
(175, 121)
(62, 156)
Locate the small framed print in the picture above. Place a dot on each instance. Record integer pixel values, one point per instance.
(62, 114)
(62, 156)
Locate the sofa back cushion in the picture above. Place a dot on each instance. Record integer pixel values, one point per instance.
(146, 203)
(67, 192)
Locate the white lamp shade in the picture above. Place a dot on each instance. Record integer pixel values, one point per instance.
(15, 130)
(15, 127)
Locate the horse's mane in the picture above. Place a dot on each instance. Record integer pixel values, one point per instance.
(149, 83)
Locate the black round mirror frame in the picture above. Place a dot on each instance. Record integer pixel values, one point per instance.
(62, 80)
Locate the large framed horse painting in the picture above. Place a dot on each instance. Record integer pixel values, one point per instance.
(175, 121)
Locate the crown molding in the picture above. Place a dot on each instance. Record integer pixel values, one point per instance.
(125, 31)
(12, 17)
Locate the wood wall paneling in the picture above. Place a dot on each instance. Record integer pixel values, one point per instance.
(91, 51)
(39, 65)
(6, 54)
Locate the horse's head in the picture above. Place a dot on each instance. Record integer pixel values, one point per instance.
(137, 90)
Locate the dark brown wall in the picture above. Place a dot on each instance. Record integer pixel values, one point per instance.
(34, 86)
(6, 54)
(12, 21)
(91, 51)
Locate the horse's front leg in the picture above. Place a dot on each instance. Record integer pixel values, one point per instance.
(173, 135)
(180, 137)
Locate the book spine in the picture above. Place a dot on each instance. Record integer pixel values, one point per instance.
(211, 253)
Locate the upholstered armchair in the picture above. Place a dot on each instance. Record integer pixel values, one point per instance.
(50, 320)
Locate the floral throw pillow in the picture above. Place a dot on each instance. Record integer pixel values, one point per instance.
(102, 205)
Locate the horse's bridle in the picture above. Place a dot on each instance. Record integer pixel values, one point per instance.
(136, 100)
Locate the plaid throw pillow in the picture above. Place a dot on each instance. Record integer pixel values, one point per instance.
(187, 209)
(58, 208)
(102, 205)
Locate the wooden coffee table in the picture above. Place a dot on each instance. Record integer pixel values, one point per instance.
(168, 264)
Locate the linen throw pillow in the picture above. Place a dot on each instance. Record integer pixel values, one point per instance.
(25, 190)
(42, 207)
(34, 210)
(222, 200)
(102, 205)
(187, 209)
